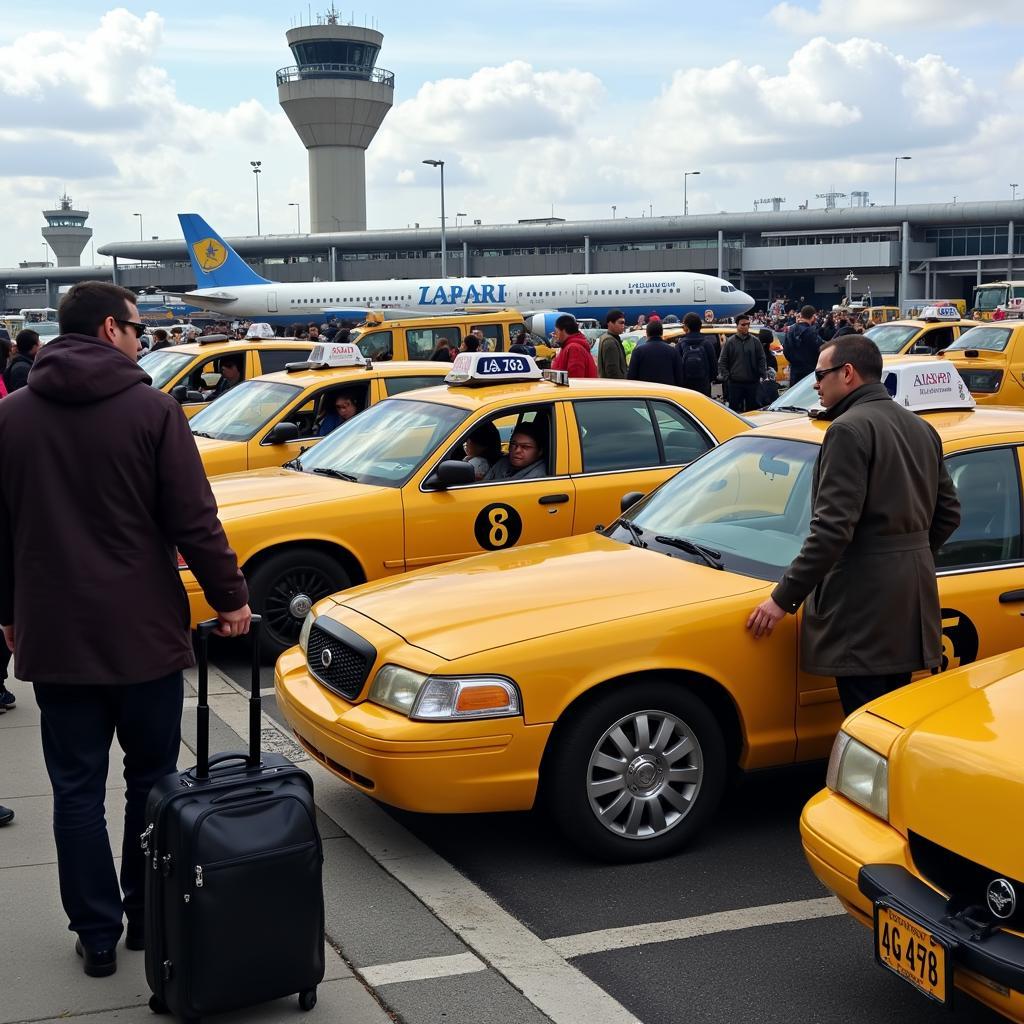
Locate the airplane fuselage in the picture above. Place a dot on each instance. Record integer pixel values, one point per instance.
(583, 295)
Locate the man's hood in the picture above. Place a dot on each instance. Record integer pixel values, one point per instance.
(75, 369)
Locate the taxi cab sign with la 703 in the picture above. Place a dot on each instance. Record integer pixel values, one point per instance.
(478, 368)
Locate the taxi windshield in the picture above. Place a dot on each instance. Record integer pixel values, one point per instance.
(384, 445)
(890, 338)
(986, 299)
(989, 339)
(240, 412)
(747, 503)
(162, 366)
(798, 398)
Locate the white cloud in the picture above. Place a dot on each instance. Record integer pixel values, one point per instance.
(842, 16)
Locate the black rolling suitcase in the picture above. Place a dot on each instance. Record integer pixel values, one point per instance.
(234, 896)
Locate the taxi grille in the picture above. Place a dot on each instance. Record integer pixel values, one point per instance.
(962, 880)
(349, 658)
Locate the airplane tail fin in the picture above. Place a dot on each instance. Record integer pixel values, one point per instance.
(214, 262)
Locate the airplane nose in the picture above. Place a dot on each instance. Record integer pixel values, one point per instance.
(745, 301)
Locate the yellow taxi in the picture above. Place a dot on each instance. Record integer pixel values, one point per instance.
(400, 334)
(881, 314)
(990, 359)
(271, 419)
(390, 490)
(935, 330)
(610, 675)
(919, 830)
(190, 373)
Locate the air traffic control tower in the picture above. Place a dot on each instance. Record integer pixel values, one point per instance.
(66, 233)
(336, 100)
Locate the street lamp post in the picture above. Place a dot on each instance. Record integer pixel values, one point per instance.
(444, 237)
(139, 215)
(298, 216)
(457, 216)
(686, 205)
(1013, 190)
(256, 164)
(895, 166)
(614, 208)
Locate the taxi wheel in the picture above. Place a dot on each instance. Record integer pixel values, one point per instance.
(636, 775)
(285, 587)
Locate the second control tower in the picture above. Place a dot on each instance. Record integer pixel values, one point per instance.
(336, 100)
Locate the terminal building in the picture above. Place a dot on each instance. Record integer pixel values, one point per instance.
(894, 253)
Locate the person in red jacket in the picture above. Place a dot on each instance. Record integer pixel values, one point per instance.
(574, 350)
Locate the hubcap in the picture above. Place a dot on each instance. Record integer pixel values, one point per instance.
(644, 774)
(299, 606)
(290, 598)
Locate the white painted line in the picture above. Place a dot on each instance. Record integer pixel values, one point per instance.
(691, 927)
(559, 990)
(423, 969)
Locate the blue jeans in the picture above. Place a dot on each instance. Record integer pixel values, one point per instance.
(79, 722)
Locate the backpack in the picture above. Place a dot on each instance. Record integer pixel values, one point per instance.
(695, 366)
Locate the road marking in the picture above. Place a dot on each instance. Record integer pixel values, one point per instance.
(422, 969)
(691, 927)
(559, 990)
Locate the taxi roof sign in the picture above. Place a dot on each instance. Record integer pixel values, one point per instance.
(939, 313)
(259, 331)
(927, 386)
(476, 369)
(334, 354)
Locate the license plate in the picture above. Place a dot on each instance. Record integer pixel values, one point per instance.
(909, 949)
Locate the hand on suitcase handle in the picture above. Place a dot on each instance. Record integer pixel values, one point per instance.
(234, 623)
(208, 626)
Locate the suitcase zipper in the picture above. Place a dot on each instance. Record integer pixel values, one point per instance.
(262, 855)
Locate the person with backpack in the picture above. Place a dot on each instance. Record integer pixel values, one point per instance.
(802, 345)
(700, 360)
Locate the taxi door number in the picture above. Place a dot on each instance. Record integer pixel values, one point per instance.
(497, 526)
(909, 950)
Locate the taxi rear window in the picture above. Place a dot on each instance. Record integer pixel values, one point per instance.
(988, 339)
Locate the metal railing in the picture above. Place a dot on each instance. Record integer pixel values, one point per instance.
(359, 71)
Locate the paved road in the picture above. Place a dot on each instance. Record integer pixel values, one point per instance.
(778, 950)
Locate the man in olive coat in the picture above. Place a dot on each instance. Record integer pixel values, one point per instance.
(883, 504)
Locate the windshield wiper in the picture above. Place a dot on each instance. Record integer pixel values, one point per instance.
(786, 408)
(635, 532)
(202, 433)
(709, 555)
(336, 474)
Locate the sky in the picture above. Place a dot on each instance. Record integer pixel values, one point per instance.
(561, 106)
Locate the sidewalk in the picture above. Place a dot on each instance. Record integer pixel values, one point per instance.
(42, 976)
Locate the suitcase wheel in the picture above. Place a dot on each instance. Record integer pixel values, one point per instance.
(307, 999)
(157, 1005)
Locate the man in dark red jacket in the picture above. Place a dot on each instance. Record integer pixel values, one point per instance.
(100, 482)
(574, 354)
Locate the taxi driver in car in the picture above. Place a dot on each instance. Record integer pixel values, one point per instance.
(525, 457)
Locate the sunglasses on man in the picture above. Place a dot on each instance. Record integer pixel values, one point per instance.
(820, 375)
(140, 329)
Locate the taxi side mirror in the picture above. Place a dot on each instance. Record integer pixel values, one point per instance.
(450, 473)
(922, 348)
(629, 500)
(282, 433)
(179, 393)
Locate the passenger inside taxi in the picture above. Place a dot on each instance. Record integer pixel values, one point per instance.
(344, 406)
(483, 448)
(526, 455)
(232, 372)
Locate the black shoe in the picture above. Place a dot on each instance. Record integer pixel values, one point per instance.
(135, 937)
(6, 815)
(99, 963)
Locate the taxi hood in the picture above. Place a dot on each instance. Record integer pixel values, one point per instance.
(957, 778)
(278, 490)
(509, 597)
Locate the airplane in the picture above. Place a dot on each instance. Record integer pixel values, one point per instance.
(228, 286)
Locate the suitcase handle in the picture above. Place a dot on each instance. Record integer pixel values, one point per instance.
(203, 631)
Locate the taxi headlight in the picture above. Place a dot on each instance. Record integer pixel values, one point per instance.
(396, 688)
(860, 774)
(307, 625)
(444, 698)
